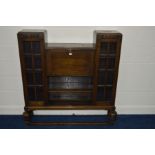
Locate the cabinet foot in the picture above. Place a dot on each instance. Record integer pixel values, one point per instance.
(27, 116)
(112, 114)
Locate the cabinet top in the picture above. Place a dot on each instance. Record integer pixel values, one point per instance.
(107, 31)
(96, 31)
(33, 30)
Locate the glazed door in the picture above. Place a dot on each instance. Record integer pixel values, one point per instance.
(31, 47)
(106, 71)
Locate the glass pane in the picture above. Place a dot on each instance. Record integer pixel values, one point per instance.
(27, 47)
(29, 78)
(37, 62)
(107, 62)
(102, 78)
(103, 62)
(100, 94)
(39, 93)
(104, 47)
(38, 78)
(105, 78)
(111, 63)
(108, 94)
(104, 94)
(36, 47)
(31, 93)
(112, 47)
(109, 80)
(28, 61)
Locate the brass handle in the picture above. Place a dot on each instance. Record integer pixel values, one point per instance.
(70, 52)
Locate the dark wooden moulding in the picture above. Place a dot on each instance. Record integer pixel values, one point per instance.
(69, 76)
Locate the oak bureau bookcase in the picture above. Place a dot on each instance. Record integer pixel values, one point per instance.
(69, 76)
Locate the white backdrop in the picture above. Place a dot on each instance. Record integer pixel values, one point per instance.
(136, 86)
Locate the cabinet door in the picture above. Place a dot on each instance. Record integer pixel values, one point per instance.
(31, 49)
(106, 69)
(79, 63)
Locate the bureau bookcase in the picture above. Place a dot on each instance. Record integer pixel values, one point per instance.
(69, 76)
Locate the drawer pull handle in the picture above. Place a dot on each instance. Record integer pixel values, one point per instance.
(70, 53)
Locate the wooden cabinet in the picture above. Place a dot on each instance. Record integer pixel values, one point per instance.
(66, 76)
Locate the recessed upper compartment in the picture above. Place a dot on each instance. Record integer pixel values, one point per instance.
(70, 46)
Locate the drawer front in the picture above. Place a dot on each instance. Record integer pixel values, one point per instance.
(72, 63)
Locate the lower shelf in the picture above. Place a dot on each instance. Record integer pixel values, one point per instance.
(72, 96)
(69, 102)
(83, 106)
(69, 105)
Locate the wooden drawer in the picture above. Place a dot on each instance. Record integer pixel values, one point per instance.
(62, 62)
